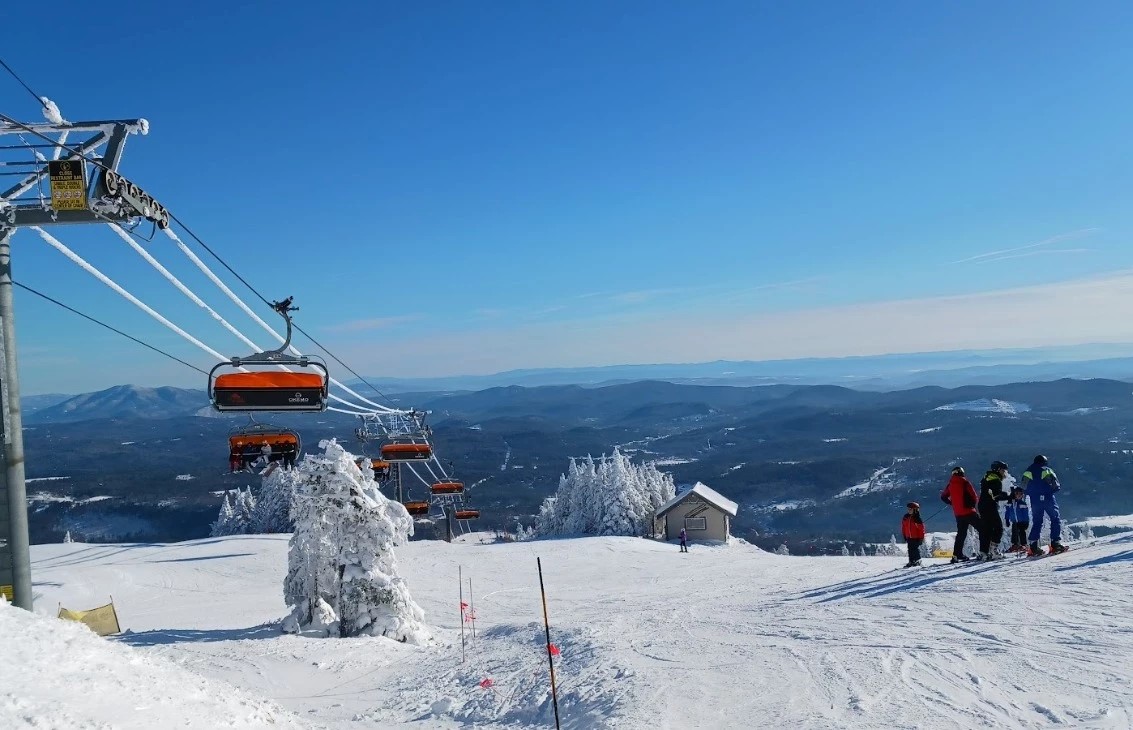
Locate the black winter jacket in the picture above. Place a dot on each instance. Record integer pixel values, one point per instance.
(991, 492)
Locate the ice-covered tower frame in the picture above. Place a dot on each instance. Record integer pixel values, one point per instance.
(50, 174)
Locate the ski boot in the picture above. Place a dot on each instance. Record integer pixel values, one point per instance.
(1034, 551)
(914, 564)
(959, 559)
(1056, 548)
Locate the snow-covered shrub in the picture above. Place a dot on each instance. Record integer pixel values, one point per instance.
(782, 550)
(342, 577)
(845, 551)
(612, 496)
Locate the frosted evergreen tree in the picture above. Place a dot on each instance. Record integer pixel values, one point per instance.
(782, 550)
(235, 513)
(612, 496)
(342, 577)
(273, 506)
(67, 537)
(845, 551)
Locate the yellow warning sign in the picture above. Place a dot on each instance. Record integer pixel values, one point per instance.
(68, 185)
(6, 591)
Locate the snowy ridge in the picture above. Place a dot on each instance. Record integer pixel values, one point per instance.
(881, 480)
(986, 405)
(783, 506)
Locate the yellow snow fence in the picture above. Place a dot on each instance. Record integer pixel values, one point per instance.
(102, 620)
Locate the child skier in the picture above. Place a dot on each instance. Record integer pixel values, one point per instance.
(1019, 518)
(684, 540)
(912, 527)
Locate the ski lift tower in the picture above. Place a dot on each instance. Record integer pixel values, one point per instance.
(51, 173)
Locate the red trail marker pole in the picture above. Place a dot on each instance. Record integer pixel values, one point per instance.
(547, 628)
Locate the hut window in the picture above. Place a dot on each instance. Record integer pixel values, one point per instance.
(696, 523)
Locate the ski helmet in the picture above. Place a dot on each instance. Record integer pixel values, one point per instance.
(914, 505)
(959, 470)
(1040, 459)
(997, 465)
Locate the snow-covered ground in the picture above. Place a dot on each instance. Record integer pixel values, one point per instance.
(987, 405)
(721, 637)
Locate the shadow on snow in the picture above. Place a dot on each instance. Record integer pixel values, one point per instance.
(158, 637)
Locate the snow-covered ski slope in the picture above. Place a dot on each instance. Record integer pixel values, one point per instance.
(721, 637)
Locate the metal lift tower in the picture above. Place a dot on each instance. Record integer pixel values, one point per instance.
(63, 174)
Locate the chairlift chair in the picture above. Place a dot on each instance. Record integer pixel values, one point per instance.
(400, 451)
(447, 486)
(269, 390)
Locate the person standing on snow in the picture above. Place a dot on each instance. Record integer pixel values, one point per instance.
(912, 527)
(991, 524)
(962, 496)
(1040, 483)
(1019, 518)
(684, 540)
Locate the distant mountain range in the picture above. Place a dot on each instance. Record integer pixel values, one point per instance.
(120, 401)
(882, 372)
(806, 461)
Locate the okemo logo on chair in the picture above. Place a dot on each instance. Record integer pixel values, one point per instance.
(299, 398)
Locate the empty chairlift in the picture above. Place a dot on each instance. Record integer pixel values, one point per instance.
(448, 487)
(416, 507)
(270, 390)
(399, 451)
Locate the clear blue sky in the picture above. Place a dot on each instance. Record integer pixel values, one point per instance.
(465, 187)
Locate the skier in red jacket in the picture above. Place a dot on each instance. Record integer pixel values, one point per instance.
(962, 496)
(912, 527)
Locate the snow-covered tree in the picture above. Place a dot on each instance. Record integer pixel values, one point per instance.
(782, 550)
(67, 537)
(273, 505)
(612, 496)
(235, 513)
(845, 550)
(342, 577)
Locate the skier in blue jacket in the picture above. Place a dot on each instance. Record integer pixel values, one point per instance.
(1018, 516)
(1040, 483)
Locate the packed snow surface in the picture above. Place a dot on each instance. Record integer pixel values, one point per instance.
(721, 637)
(987, 405)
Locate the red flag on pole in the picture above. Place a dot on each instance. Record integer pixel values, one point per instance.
(554, 650)
(487, 684)
(463, 605)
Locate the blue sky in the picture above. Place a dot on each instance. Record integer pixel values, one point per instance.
(458, 188)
